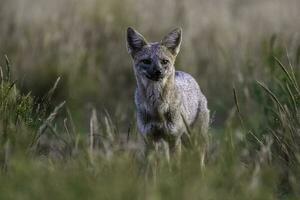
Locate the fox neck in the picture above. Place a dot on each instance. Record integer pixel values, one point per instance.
(156, 93)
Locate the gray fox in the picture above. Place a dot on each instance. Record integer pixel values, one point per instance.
(168, 102)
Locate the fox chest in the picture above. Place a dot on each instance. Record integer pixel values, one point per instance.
(160, 119)
(158, 114)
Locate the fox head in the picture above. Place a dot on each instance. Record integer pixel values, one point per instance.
(154, 61)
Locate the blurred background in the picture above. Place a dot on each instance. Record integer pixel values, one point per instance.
(226, 44)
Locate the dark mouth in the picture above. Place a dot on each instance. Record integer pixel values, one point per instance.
(154, 77)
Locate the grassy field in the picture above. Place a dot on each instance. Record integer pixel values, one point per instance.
(67, 117)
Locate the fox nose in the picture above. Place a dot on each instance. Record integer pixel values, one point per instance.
(157, 71)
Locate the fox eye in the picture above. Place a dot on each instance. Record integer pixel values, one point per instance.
(164, 61)
(146, 61)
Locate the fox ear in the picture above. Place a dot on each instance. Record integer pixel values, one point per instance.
(173, 40)
(135, 41)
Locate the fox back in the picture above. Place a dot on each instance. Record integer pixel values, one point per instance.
(167, 101)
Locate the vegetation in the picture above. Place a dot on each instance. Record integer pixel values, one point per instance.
(67, 127)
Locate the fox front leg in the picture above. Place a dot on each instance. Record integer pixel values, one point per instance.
(174, 145)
